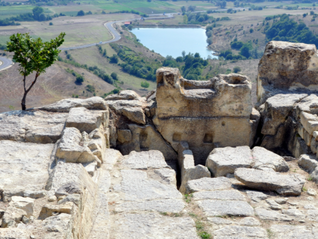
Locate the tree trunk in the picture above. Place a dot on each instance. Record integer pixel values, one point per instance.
(23, 101)
(26, 91)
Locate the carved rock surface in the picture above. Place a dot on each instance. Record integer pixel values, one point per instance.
(23, 167)
(290, 184)
(32, 126)
(94, 103)
(222, 161)
(296, 62)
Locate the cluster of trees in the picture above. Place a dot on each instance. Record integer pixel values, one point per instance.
(79, 78)
(246, 51)
(189, 9)
(82, 13)
(286, 29)
(191, 65)
(135, 64)
(36, 15)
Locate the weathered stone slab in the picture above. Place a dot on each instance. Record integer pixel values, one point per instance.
(59, 226)
(265, 159)
(70, 148)
(222, 161)
(290, 184)
(186, 165)
(271, 215)
(208, 184)
(242, 232)
(291, 232)
(14, 233)
(32, 126)
(226, 208)
(143, 160)
(137, 186)
(308, 162)
(86, 120)
(219, 195)
(153, 225)
(23, 166)
(124, 95)
(256, 196)
(93, 103)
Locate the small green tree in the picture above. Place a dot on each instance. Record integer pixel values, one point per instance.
(144, 84)
(33, 55)
(236, 69)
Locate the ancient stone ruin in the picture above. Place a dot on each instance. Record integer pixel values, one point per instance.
(193, 159)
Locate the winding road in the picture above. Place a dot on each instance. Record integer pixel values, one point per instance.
(5, 63)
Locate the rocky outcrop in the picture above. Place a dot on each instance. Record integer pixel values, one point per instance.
(287, 66)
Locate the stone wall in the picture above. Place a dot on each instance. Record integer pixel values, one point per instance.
(206, 114)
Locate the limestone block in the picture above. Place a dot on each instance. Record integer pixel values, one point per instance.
(313, 145)
(208, 184)
(86, 120)
(26, 204)
(283, 60)
(300, 131)
(188, 170)
(58, 226)
(307, 138)
(291, 231)
(277, 108)
(93, 103)
(147, 138)
(223, 161)
(124, 95)
(15, 233)
(167, 175)
(307, 104)
(265, 159)
(23, 167)
(159, 226)
(34, 194)
(226, 208)
(315, 135)
(144, 160)
(254, 121)
(136, 115)
(12, 216)
(181, 115)
(290, 184)
(144, 194)
(256, 196)
(112, 156)
(32, 126)
(124, 135)
(49, 210)
(131, 109)
(240, 232)
(70, 149)
(309, 122)
(230, 194)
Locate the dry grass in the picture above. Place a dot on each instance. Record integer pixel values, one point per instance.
(53, 85)
(79, 30)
